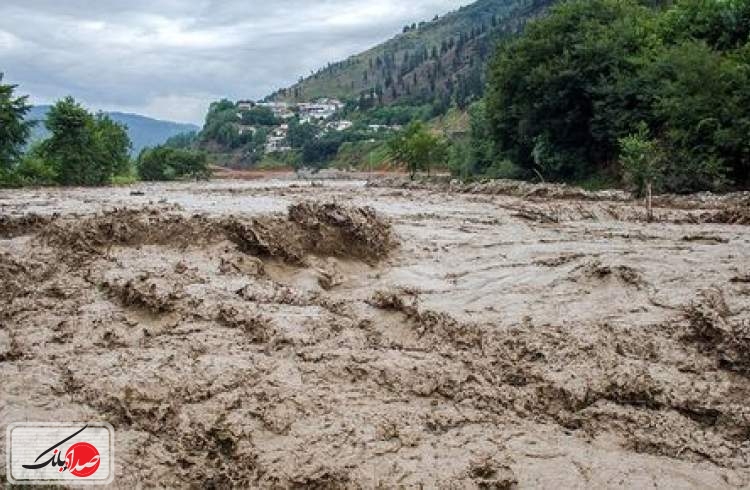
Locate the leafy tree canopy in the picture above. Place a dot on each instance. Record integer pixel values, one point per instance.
(164, 163)
(84, 149)
(14, 130)
(562, 95)
(417, 148)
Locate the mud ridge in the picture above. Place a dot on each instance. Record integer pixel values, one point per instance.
(309, 228)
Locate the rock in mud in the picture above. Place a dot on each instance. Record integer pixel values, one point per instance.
(231, 263)
(718, 331)
(597, 271)
(155, 294)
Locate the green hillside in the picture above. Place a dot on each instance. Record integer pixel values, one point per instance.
(441, 60)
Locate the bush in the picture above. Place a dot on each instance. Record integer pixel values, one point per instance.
(163, 163)
(33, 170)
(503, 169)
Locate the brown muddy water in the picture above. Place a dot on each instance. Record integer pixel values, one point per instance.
(280, 334)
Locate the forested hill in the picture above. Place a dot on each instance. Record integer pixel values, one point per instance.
(438, 61)
(143, 131)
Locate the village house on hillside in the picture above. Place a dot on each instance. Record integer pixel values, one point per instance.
(281, 110)
(245, 105)
(277, 141)
(318, 111)
(339, 125)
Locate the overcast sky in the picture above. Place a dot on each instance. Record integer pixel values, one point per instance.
(170, 58)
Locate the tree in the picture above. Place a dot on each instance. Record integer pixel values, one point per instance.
(182, 140)
(546, 88)
(562, 95)
(83, 149)
(300, 135)
(33, 169)
(257, 147)
(642, 162)
(259, 116)
(699, 109)
(114, 143)
(221, 126)
(482, 149)
(14, 130)
(417, 148)
(164, 163)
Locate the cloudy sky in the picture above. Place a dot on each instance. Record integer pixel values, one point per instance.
(170, 58)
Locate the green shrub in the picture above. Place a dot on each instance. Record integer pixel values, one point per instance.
(503, 169)
(34, 170)
(162, 163)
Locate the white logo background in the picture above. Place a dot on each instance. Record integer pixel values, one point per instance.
(26, 441)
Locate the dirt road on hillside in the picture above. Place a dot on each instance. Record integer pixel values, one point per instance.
(333, 335)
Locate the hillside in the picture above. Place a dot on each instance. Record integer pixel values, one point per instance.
(143, 131)
(442, 60)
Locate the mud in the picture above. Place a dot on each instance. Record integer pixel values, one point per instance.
(288, 335)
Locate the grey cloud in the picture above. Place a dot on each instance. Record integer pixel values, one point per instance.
(171, 58)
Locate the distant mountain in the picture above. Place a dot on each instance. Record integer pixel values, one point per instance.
(143, 131)
(442, 60)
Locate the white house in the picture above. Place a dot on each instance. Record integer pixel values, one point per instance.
(280, 109)
(277, 140)
(245, 105)
(339, 125)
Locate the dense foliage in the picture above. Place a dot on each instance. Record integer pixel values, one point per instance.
(474, 155)
(318, 147)
(165, 163)
(258, 116)
(221, 126)
(182, 140)
(562, 96)
(84, 149)
(14, 130)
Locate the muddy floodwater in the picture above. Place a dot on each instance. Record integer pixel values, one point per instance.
(341, 335)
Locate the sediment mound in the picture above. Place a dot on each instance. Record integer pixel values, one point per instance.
(516, 188)
(732, 215)
(127, 227)
(27, 224)
(331, 229)
(17, 276)
(309, 228)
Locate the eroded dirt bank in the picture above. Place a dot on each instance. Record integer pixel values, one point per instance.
(287, 335)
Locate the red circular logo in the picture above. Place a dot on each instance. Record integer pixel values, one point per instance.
(82, 459)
